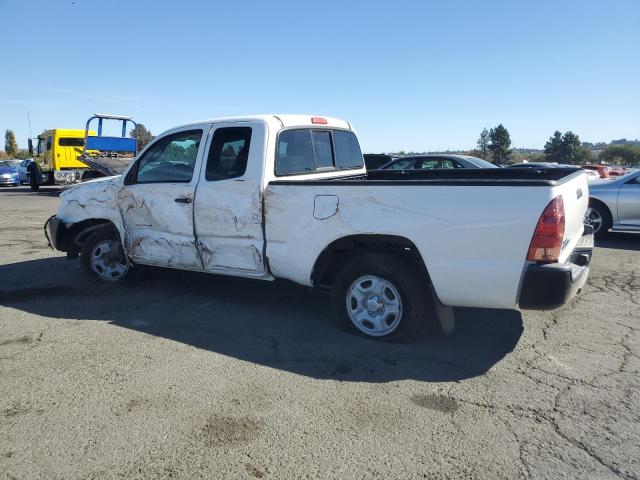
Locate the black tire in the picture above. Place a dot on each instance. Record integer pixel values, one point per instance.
(605, 214)
(33, 179)
(418, 313)
(87, 250)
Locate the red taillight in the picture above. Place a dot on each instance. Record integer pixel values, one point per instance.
(319, 120)
(547, 238)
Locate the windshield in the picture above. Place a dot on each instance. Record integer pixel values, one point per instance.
(4, 164)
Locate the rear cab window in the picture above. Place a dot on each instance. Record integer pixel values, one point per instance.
(310, 150)
(71, 142)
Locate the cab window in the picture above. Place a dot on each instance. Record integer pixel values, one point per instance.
(49, 142)
(71, 142)
(229, 153)
(306, 150)
(171, 159)
(41, 146)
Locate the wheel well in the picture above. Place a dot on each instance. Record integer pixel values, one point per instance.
(340, 251)
(601, 204)
(78, 232)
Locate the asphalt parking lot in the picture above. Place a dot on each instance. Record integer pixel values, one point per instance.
(187, 375)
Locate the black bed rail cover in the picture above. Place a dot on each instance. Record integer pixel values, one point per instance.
(455, 177)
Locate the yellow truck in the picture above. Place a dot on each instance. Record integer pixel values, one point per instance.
(56, 157)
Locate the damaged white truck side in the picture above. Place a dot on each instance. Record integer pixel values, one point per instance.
(288, 196)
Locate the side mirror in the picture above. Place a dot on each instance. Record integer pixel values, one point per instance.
(30, 147)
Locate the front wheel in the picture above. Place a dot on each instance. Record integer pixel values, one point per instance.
(102, 256)
(383, 296)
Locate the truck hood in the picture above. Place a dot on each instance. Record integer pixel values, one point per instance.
(84, 187)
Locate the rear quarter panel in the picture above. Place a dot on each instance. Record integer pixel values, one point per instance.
(473, 239)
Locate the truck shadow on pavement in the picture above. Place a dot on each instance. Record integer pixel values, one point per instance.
(280, 325)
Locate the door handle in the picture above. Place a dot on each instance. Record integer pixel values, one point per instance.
(183, 200)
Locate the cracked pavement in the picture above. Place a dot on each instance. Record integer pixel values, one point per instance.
(186, 375)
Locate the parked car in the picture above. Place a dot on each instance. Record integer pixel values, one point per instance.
(23, 168)
(9, 175)
(288, 196)
(615, 204)
(602, 170)
(616, 171)
(436, 161)
(538, 165)
(373, 161)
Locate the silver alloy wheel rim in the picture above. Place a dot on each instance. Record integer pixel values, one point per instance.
(374, 305)
(594, 219)
(107, 260)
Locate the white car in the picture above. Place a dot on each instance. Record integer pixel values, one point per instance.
(287, 196)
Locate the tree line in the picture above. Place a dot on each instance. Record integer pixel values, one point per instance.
(495, 145)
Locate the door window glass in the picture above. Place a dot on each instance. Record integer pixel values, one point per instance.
(405, 164)
(170, 159)
(49, 142)
(427, 164)
(229, 153)
(447, 163)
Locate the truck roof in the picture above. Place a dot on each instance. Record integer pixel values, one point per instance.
(73, 132)
(284, 120)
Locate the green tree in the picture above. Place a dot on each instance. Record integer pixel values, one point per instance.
(553, 148)
(499, 144)
(10, 144)
(626, 154)
(142, 135)
(483, 143)
(566, 149)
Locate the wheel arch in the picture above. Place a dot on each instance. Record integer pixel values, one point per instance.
(341, 250)
(74, 234)
(603, 204)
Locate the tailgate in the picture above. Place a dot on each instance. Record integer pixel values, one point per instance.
(575, 196)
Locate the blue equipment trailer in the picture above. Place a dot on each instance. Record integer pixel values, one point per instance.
(108, 155)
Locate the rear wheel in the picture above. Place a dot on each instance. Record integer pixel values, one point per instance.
(102, 256)
(382, 296)
(599, 217)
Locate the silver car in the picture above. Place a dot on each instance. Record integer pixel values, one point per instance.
(615, 204)
(436, 161)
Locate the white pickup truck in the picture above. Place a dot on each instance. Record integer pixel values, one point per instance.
(288, 196)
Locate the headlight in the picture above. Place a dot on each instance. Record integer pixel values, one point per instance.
(7, 175)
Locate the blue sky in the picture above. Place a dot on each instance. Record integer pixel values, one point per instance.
(420, 75)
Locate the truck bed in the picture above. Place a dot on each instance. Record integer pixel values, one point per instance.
(469, 225)
(462, 176)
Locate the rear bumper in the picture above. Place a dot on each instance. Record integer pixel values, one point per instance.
(549, 286)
